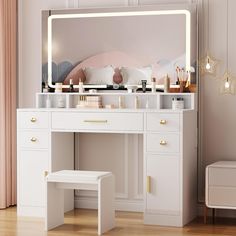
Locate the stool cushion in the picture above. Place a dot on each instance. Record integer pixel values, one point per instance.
(76, 176)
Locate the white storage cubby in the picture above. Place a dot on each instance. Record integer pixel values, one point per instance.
(146, 100)
(165, 101)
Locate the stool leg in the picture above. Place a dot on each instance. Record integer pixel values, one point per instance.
(106, 206)
(205, 214)
(213, 215)
(54, 206)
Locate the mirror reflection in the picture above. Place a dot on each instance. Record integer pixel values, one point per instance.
(121, 50)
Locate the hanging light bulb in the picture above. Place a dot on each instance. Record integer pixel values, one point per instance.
(208, 66)
(227, 84)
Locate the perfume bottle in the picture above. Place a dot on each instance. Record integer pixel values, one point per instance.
(121, 102)
(144, 85)
(71, 86)
(167, 84)
(46, 88)
(153, 85)
(81, 86)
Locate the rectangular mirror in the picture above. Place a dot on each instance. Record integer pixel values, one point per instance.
(113, 46)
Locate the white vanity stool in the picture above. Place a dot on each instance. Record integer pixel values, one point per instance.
(103, 182)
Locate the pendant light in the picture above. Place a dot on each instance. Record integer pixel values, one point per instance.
(227, 85)
(208, 64)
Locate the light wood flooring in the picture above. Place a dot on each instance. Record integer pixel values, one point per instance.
(84, 222)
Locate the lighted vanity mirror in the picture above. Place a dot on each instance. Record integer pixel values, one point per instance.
(117, 46)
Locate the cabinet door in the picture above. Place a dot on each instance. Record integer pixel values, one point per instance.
(163, 178)
(32, 165)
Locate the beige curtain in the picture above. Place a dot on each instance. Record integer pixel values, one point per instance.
(8, 26)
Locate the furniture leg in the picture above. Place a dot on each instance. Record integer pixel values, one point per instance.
(54, 206)
(106, 212)
(213, 215)
(205, 214)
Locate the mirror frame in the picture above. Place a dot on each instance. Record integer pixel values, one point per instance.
(115, 13)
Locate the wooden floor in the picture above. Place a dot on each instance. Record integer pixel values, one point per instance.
(84, 222)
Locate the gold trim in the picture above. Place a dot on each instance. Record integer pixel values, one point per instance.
(45, 173)
(95, 121)
(148, 184)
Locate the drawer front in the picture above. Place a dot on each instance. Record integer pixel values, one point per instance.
(34, 139)
(222, 176)
(163, 122)
(222, 196)
(33, 120)
(163, 143)
(97, 121)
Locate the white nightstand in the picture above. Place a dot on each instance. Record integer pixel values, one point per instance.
(221, 186)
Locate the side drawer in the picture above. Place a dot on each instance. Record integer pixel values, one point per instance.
(97, 121)
(222, 176)
(34, 139)
(163, 143)
(33, 120)
(163, 122)
(222, 196)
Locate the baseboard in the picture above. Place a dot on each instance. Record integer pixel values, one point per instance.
(137, 206)
(120, 204)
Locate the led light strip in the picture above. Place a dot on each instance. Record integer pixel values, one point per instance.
(117, 14)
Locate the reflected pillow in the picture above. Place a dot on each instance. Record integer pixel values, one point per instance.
(103, 75)
(135, 75)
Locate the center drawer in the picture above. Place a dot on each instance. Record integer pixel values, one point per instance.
(97, 121)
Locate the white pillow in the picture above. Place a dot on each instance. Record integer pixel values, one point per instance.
(135, 75)
(103, 75)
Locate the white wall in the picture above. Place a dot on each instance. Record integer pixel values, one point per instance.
(218, 113)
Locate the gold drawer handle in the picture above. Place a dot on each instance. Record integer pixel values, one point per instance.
(148, 184)
(162, 122)
(163, 142)
(33, 139)
(33, 119)
(45, 173)
(95, 121)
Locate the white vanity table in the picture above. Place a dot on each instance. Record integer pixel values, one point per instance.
(46, 144)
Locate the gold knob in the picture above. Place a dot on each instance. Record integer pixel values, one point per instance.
(33, 119)
(33, 139)
(148, 184)
(163, 142)
(162, 122)
(45, 173)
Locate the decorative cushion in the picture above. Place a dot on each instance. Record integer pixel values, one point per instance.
(135, 75)
(103, 75)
